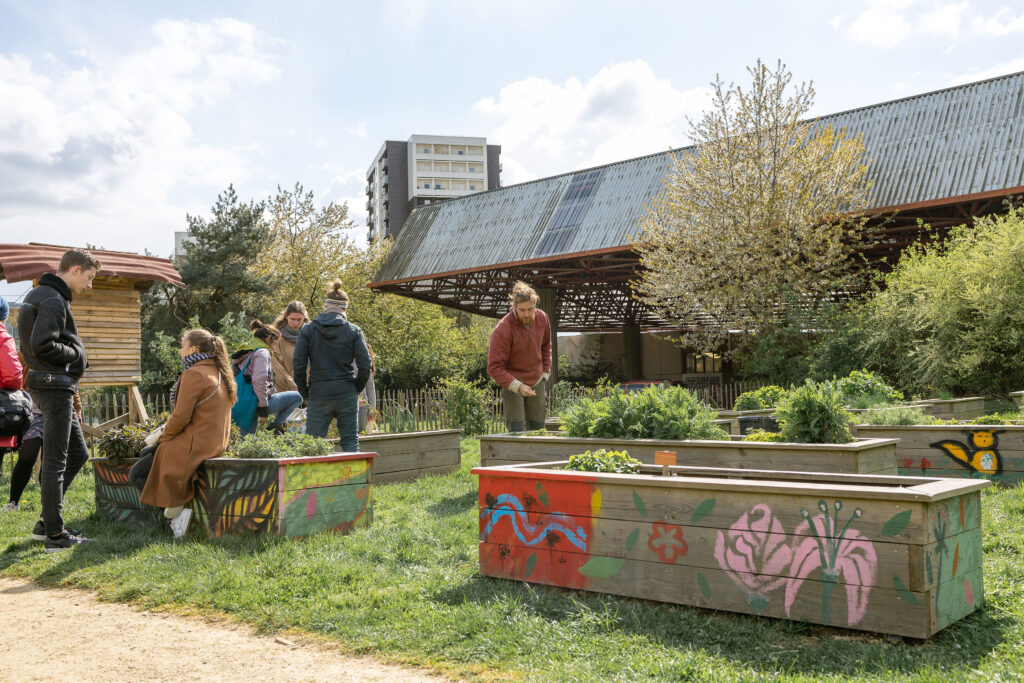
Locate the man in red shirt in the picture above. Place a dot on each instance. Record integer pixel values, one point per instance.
(519, 359)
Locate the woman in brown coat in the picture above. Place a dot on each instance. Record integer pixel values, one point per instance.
(198, 429)
(288, 324)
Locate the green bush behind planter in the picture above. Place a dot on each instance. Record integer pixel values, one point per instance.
(814, 413)
(656, 412)
(760, 399)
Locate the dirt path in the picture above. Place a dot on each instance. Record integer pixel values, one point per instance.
(100, 641)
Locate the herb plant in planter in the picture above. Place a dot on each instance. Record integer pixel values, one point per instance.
(656, 412)
(603, 460)
(814, 413)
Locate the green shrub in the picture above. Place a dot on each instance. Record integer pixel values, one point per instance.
(814, 413)
(896, 415)
(467, 405)
(762, 435)
(867, 388)
(266, 444)
(603, 461)
(124, 442)
(997, 419)
(656, 412)
(760, 399)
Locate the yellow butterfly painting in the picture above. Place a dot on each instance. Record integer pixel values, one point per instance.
(980, 455)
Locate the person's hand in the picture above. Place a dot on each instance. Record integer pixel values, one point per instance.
(526, 390)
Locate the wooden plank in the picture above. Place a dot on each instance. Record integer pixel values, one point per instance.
(410, 475)
(721, 509)
(904, 613)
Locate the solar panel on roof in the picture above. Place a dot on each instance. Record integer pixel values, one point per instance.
(568, 216)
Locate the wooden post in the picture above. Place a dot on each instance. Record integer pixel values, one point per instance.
(136, 406)
(632, 367)
(549, 304)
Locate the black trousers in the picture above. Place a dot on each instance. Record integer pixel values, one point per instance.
(139, 472)
(28, 452)
(64, 452)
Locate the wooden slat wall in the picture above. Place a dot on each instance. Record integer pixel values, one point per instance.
(108, 319)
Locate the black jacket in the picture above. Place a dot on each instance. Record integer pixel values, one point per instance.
(50, 343)
(328, 346)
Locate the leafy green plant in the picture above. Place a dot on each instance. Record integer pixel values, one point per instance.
(868, 388)
(603, 461)
(656, 412)
(123, 442)
(762, 435)
(896, 415)
(814, 413)
(266, 444)
(467, 405)
(760, 399)
(998, 419)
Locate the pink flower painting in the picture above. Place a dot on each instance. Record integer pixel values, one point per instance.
(755, 555)
(842, 555)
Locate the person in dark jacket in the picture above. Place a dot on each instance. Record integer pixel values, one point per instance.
(329, 345)
(56, 360)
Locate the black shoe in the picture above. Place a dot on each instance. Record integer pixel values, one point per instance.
(63, 542)
(39, 531)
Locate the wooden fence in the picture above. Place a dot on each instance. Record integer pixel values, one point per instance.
(401, 411)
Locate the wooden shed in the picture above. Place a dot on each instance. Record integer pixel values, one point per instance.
(109, 315)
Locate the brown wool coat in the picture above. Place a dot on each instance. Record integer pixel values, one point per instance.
(281, 362)
(190, 436)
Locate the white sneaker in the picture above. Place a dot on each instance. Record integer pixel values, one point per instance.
(179, 525)
(10, 507)
(171, 513)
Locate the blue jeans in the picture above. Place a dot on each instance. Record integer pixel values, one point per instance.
(281, 405)
(344, 409)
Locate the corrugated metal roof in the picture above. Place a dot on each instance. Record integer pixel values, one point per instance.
(28, 261)
(949, 143)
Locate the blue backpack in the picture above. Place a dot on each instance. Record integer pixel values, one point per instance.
(244, 410)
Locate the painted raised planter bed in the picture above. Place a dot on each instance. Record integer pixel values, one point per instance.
(866, 456)
(286, 496)
(994, 452)
(407, 456)
(897, 555)
(957, 408)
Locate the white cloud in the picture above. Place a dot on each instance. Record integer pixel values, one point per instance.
(945, 20)
(1002, 23)
(623, 111)
(104, 149)
(892, 23)
(1001, 69)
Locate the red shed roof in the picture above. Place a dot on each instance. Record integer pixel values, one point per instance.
(29, 261)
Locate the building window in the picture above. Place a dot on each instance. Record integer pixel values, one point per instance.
(472, 187)
(426, 150)
(426, 186)
(472, 169)
(461, 152)
(437, 186)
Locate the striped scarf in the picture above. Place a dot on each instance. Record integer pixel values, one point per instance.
(188, 361)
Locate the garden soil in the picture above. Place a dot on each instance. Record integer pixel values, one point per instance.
(99, 641)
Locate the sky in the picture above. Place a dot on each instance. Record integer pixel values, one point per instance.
(117, 120)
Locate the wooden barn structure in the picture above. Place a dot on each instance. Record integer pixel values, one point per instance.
(108, 316)
(942, 158)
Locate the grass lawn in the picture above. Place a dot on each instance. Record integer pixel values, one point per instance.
(407, 589)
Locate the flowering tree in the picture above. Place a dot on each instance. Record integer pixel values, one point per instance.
(755, 225)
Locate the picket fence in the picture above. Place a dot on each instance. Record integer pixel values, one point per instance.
(404, 410)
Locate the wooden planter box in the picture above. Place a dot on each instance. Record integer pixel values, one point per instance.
(407, 456)
(733, 416)
(994, 452)
(957, 408)
(899, 555)
(868, 456)
(286, 497)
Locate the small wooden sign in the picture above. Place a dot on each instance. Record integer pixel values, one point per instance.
(666, 459)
